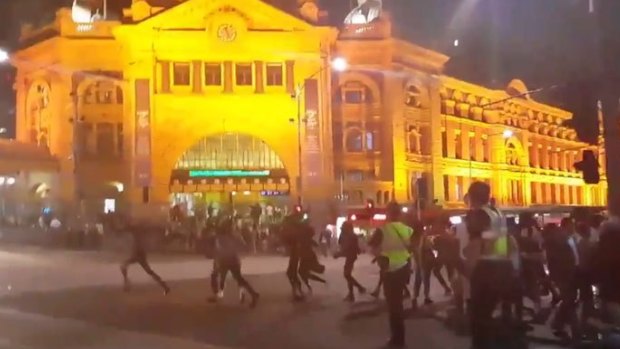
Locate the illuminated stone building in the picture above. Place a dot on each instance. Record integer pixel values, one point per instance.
(199, 100)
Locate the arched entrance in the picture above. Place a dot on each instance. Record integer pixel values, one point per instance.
(226, 169)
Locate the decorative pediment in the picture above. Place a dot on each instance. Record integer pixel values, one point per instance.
(201, 14)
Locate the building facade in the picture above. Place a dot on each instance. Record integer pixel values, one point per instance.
(223, 100)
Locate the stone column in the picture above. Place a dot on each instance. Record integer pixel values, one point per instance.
(450, 139)
(566, 190)
(534, 161)
(479, 149)
(465, 151)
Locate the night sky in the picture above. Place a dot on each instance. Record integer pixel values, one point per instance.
(544, 42)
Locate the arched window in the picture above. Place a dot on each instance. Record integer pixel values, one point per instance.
(512, 156)
(354, 141)
(414, 141)
(413, 97)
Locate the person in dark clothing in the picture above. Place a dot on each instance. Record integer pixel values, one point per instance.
(309, 264)
(138, 255)
(563, 264)
(606, 266)
(427, 266)
(228, 245)
(448, 253)
(349, 249)
(291, 229)
(531, 261)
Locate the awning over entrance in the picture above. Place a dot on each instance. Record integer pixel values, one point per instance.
(228, 163)
(17, 157)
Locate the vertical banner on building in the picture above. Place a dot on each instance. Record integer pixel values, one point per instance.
(142, 151)
(313, 160)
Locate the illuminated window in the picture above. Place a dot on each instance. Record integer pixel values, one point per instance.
(181, 74)
(213, 74)
(354, 141)
(274, 74)
(372, 141)
(244, 74)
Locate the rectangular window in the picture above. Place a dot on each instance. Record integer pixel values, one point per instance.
(274, 74)
(244, 76)
(353, 96)
(355, 176)
(213, 74)
(337, 136)
(181, 74)
(105, 139)
(120, 146)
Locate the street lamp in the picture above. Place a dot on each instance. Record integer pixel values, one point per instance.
(338, 64)
(4, 56)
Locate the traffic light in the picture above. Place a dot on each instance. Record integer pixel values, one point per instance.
(589, 167)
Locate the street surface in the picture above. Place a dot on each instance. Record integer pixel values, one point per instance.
(73, 300)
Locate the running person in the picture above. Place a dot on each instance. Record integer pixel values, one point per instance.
(138, 255)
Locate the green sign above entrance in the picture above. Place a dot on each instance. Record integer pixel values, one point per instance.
(228, 173)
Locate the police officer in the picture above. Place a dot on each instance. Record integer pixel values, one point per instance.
(391, 245)
(494, 268)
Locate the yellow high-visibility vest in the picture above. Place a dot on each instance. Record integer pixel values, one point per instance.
(395, 245)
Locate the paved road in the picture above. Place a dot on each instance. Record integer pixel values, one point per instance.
(73, 300)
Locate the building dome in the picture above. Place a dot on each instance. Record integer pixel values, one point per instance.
(517, 87)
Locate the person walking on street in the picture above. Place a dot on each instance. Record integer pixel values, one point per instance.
(391, 245)
(290, 239)
(349, 249)
(138, 255)
(309, 265)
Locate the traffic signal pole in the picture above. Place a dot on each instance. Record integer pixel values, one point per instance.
(611, 136)
(604, 11)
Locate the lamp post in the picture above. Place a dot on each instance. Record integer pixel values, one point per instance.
(4, 56)
(338, 64)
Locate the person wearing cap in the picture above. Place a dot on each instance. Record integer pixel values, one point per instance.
(391, 244)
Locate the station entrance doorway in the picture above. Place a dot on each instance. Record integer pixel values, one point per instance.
(229, 171)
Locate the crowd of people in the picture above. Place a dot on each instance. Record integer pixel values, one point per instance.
(487, 265)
